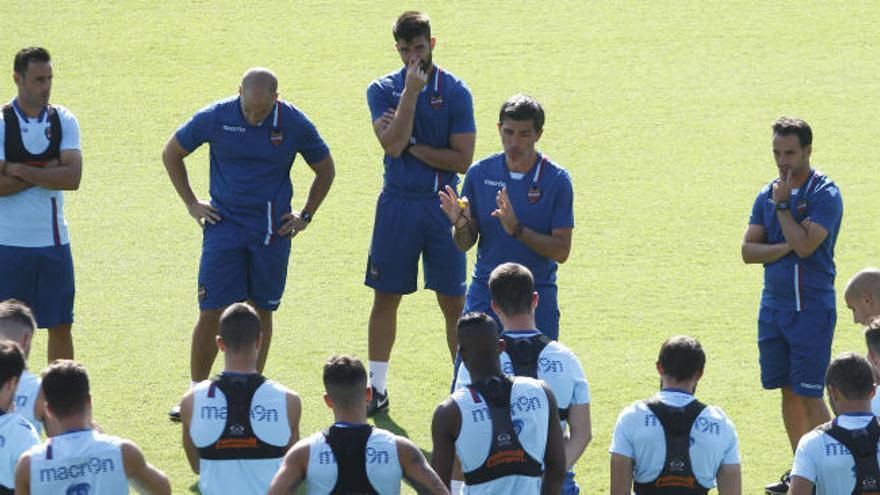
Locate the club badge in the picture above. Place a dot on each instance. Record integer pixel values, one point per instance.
(802, 207)
(534, 194)
(276, 137)
(436, 101)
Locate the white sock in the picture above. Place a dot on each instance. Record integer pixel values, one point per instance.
(378, 375)
(457, 487)
(192, 384)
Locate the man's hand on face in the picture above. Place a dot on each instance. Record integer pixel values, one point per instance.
(416, 77)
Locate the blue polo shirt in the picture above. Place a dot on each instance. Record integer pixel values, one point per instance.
(794, 283)
(444, 108)
(542, 200)
(250, 164)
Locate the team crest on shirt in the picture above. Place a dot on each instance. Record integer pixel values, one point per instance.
(534, 194)
(802, 207)
(436, 101)
(276, 137)
(79, 489)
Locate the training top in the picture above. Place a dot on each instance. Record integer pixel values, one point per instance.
(250, 164)
(542, 200)
(78, 461)
(26, 398)
(444, 108)
(17, 436)
(382, 463)
(791, 282)
(639, 435)
(35, 217)
(826, 462)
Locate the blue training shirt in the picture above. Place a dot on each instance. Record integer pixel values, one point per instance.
(250, 164)
(795, 283)
(542, 200)
(444, 108)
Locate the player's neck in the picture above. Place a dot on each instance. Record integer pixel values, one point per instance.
(357, 416)
(800, 177)
(75, 422)
(30, 111)
(482, 374)
(852, 406)
(240, 364)
(524, 164)
(689, 386)
(518, 323)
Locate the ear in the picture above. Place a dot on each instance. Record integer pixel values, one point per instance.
(873, 392)
(807, 150)
(538, 135)
(433, 42)
(327, 400)
(494, 307)
(535, 300)
(16, 77)
(502, 345)
(259, 340)
(659, 368)
(368, 394)
(26, 342)
(220, 344)
(698, 376)
(868, 298)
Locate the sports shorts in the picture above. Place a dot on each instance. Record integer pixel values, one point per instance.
(42, 278)
(239, 264)
(795, 348)
(546, 315)
(409, 226)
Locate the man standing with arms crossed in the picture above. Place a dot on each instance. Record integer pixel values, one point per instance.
(39, 158)
(792, 231)
(423, 118)
(520, 207)
(248, 224)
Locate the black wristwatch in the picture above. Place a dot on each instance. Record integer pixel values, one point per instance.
(306, 216)
(782, 205)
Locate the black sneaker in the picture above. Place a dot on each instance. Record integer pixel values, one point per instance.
(780, 486)
(174, 413)
(378, 403)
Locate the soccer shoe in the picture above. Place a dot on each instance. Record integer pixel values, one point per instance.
(780, 486)
(378, 403)
(174, 413)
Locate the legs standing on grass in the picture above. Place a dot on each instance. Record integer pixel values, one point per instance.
(381, 334)
(266, 328)
(451, 306)
(801, 414)
(60, 342)
(204, 348)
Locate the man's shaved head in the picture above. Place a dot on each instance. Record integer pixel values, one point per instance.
(862, 295)
(478, 341)
(867, 280)
(259, 77)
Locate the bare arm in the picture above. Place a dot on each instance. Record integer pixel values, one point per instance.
(756, 250)
(144, 477)
(445, 428)
(466, 236)
(416, 469)
(325, 172)
(456, 158)
(394, 136)
(805, 237)
(556, 246)
(730, 480)
(23, 475)
(294, 413)
(172, 157)
(580, 433)
(10, 185)
(621, 475)
(799, 486)
(554, 455)
(64, 177)
(192, 452)
(292, 471)
(464, 228)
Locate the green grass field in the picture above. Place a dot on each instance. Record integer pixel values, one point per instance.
(661, 111)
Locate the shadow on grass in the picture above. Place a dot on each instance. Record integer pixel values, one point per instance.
(386, 422)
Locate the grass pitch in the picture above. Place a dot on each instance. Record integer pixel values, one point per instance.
(660, 111)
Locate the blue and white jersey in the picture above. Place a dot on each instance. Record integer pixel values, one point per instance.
(444, 108)
(35, 217)
(529, 412)
(16, 436)
(250, 164)
(557, 366)
(26, 398)
(382, 462)
(269, 421)
(542, 199)
(639, 435)
(78, 462)
(825, 462)
(794, 283)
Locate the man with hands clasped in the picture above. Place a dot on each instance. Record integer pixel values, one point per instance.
(518, 204)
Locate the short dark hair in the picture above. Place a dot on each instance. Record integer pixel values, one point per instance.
(11, 361)
(66, 388)
(410, 25)
(786, 126)
(345, 380)
(512, 286)
(27, 55)
(18, 313)
(850, 374)
(239, 327)
(476, 322)
(872, 336)
(681, 357)
(522, 107)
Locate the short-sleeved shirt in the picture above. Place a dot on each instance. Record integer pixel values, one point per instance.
(639, 435)
(31, 218)
(18, 436)
(794, 283)
(825, 462)
(542, 199)
(250, 164)
(444, 108)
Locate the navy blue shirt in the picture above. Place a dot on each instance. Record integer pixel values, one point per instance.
(444, 108)
(792, 282)
(542, 200)
(250, 164)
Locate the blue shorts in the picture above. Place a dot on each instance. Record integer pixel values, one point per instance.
(546, 315)
(239, 264)
(570, 486)
(408, 227)
(42, 278)
(795, 348)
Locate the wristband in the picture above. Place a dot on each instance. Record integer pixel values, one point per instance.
(782, 205)
(306, 216)
(460, 216)
(518, 230)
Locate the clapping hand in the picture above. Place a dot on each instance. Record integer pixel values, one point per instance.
(504, 211)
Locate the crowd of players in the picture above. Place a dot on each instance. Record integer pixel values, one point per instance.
(518, 418)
